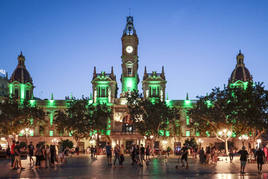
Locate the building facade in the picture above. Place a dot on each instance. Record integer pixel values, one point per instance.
(105, 90)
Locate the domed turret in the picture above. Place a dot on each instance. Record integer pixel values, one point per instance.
(240, 73)
(21, 83)
(21, 74)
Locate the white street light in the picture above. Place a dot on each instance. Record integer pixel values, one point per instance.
(258, 141)
(243, 138)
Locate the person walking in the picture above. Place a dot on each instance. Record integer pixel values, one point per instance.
(109, 154)
(231, 155)
(243, 159)
(31, 153)
(142, 153)
(184, 156)
(17, 157)
(52, 155)
(122, 158)
(260, 155)
(202, 156)
(133, 154)
(147, 151)
(12, 153)
(47, 150)
(116, 154)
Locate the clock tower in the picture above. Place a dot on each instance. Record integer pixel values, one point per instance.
(130, 41)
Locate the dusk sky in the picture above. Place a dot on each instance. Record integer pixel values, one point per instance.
(196, 40)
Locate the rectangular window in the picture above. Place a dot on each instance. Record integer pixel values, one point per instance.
(188, 133)
(27, 94)
(50, 133)
(16, 93)
(197, 133)
(129, 71)
(187, 120)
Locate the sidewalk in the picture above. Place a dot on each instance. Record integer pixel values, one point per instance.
(84, 167)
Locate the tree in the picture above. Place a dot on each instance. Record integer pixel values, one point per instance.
(151, 119)
(100, 115)
(231, 111)
(82, 119)
(75, 119)
(16, 115)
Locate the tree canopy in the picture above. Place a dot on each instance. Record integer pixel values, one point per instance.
(16, 115)
(150, 118)
(82, 119)
(240, 110)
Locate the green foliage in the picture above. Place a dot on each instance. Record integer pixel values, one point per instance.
(81, 118)
(15, 116)
(236, 109)
(66, 143)
(191, 142)
(151, 118)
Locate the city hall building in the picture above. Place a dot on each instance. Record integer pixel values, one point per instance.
(104, 86)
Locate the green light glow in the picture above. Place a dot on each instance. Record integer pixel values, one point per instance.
(187, 103)
(239, 83)
(208, 134)
(169, 103)
(161, 132)
(167, 133)
(32, 102)
(197, 134)
(187, 120)
(31, 121)
(108, 132)
(51, 118)
(10, 89)
(209, 103)
(31, 133)
(129, 84)
(50, 133)
(233, 134)
(51, 103)
(188, 134)
(70, 134)
(22, 92)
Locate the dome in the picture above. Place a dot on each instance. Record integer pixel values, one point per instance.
(240, 72)
(21, 74)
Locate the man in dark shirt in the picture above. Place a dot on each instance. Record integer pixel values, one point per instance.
(109, 153)
(31, 152)
(243, 158)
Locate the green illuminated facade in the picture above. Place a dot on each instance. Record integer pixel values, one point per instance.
(104, 90)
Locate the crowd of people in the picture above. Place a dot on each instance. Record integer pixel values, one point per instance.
(45, 155)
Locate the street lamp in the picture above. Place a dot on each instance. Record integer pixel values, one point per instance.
(200, 142)
(243, 138)
(258, 142)
(26, 132)
(224, 136)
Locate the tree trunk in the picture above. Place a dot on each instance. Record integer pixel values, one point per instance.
(97, 143)
(226, 147)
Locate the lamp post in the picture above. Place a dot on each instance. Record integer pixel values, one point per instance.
(224, 135)
(26, 132)
(200, 142)
(258, 142)
(243, 138)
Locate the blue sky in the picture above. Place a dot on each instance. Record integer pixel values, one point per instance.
(196, 40)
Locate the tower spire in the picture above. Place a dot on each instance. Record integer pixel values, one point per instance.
(187, 96)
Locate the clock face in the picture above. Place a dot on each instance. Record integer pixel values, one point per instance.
(129, 49)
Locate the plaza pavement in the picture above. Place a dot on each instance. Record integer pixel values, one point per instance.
(84, 167)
